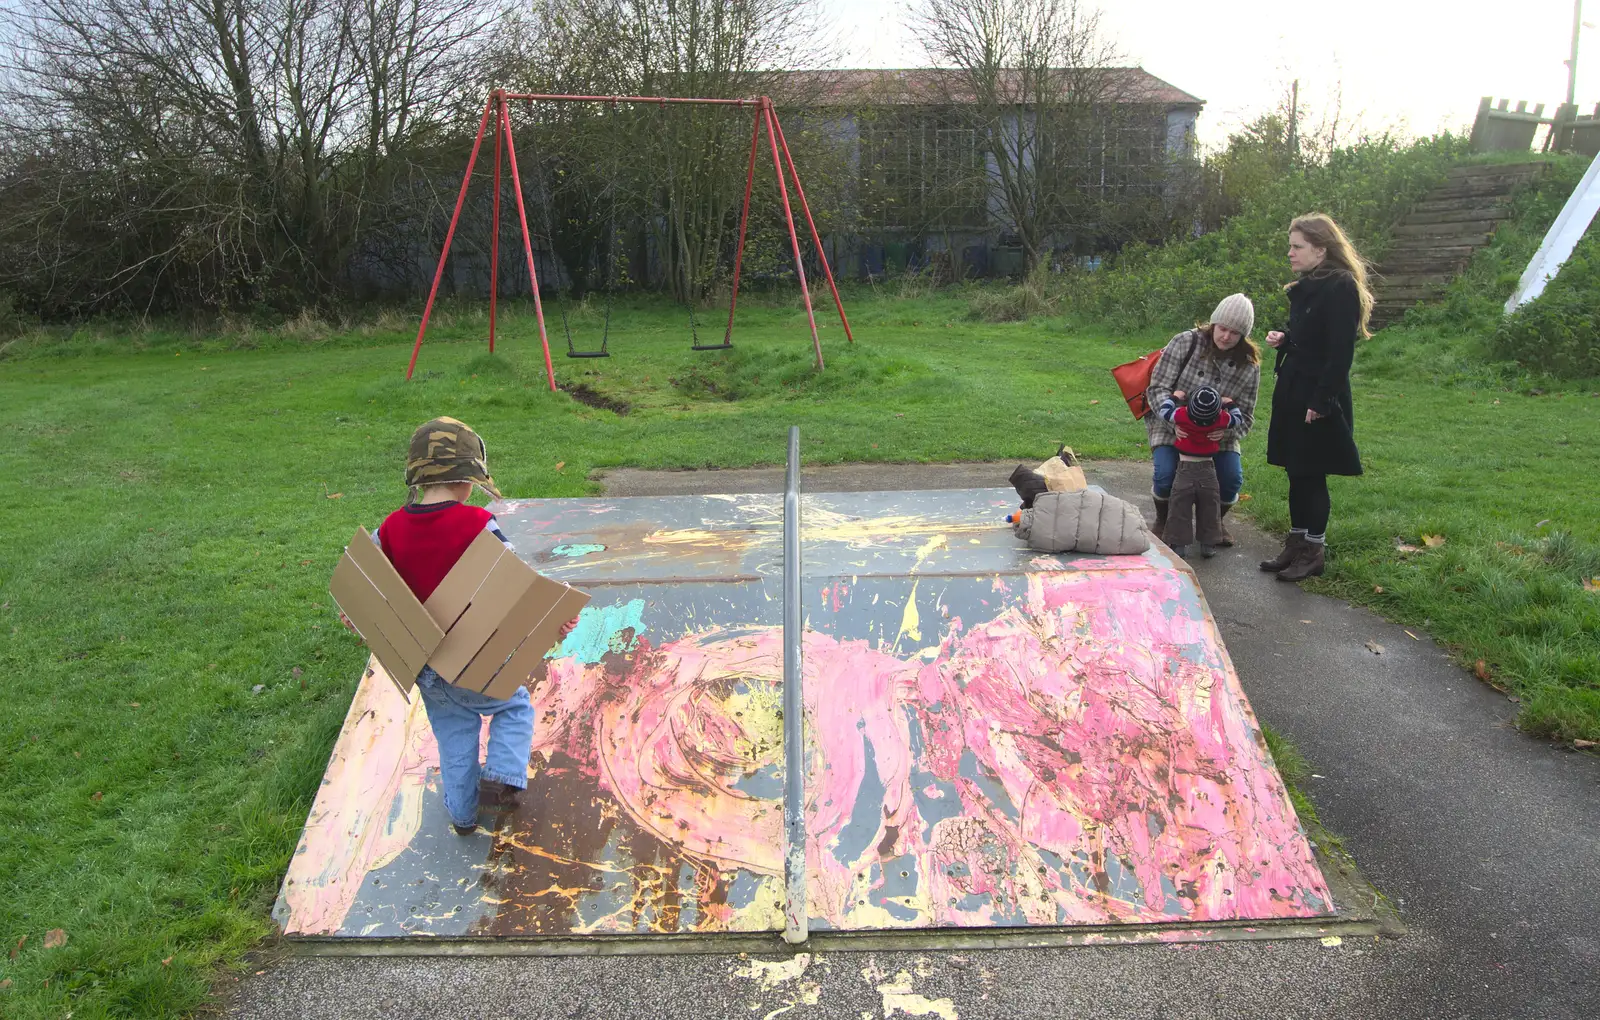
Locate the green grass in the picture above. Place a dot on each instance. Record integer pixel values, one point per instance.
(1500, 476)
(174, 515)
(1296, 772)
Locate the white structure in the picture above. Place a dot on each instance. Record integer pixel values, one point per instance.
(1563, 236)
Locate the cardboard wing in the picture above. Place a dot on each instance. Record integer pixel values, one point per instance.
(486, 627)
(384, 611)
(500, 617)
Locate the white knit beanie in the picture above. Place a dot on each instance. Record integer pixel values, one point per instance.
(1236, 312)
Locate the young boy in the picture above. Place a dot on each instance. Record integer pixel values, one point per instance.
(1196, 501)
(423, 539)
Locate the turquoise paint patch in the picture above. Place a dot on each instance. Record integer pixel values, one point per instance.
(600, 632)
(576, 550)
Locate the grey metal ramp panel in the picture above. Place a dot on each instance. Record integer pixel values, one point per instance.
(601, 541)
(653, 805)
(1042, 749)
(997, 739)
(739, 536)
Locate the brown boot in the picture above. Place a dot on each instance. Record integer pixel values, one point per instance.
(1226, 541)
(1160, 526)
(1291, 546)
(1307, 563)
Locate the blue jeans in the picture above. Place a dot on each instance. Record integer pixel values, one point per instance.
(1230, 472)
(456, 716)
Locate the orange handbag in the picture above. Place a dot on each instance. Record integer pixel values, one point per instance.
(1133, 379)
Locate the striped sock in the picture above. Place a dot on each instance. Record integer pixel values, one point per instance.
(1297, 531)
(1321, 539)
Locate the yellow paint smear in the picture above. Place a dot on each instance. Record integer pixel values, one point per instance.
(910, 620)
(771, 975)
(898, 997)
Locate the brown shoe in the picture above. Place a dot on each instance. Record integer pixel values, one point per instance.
(1307, 563)
(1160, 526)
(1291, 546)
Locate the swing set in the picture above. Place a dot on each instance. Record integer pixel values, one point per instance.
(498, 108)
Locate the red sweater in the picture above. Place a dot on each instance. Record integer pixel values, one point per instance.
(424, 541)
(1196, 445)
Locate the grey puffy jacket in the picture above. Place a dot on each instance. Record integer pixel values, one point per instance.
(1083, 521)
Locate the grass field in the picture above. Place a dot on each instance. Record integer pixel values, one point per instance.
(175, 676)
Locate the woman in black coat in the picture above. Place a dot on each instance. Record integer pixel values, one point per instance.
(1312, 429)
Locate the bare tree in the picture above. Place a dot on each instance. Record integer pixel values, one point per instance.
(220, 152)
(1063, 130)
(681, 169)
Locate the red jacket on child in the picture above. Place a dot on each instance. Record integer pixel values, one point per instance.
(1196, 444)
(423, 541)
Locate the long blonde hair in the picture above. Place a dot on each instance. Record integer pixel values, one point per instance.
(1320, 231)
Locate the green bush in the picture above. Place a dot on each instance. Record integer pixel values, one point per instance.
(1366, 187)
(1559, 332)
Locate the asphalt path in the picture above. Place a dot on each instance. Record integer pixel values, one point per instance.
(1488, 841)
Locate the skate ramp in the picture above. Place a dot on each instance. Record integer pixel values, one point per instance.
(996, 741)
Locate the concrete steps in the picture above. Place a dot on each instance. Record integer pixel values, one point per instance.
(1441, 233)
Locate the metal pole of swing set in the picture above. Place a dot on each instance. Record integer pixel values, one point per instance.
(788, 216)
(744, 221)
(494, 237)
(438, 274)
(527, 247)
(805, 207)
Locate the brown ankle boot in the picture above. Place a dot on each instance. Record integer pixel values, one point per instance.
(1291, 546)
(1160, 526)
(1307, 563)
(1226, 540)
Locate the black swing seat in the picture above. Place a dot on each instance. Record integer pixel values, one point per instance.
(724, 346)
(588, 354)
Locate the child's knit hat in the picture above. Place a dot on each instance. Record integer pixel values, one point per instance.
(1204, 406)
(445, 451)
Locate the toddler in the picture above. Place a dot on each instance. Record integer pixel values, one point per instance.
(1195, 510)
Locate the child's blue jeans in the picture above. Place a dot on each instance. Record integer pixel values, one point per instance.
(456, 716)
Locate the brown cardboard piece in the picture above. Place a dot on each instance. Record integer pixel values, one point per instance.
(375, 600)
(1061, 473)
(486, 627)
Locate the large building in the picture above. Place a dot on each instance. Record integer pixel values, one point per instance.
(929, 182)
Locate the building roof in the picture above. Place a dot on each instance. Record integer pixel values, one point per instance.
(920, 86)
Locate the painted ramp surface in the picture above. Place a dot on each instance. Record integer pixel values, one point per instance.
(995, 739)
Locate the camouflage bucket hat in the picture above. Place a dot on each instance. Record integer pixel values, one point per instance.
(445, 451)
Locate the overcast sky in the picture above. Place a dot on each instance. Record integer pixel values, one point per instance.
(1408, 64)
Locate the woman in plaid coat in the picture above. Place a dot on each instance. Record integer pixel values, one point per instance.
(1219, 354)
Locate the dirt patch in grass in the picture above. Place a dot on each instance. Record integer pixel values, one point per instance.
(594, 398)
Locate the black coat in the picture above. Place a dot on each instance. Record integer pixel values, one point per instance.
(1313, 369)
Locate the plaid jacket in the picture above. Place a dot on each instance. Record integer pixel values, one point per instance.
(1189, 362)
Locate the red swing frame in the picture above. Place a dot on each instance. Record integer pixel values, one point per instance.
(765, 116)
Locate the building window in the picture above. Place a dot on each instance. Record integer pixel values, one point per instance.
(921, 169)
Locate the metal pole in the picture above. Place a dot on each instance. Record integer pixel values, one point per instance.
(1294, 120)
(684, 100)
(1572, 64)
(494, 237)
(744, 221)
(796, 915)
(438, 273)
(527, 247)
(788, 216)
(805, 207)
